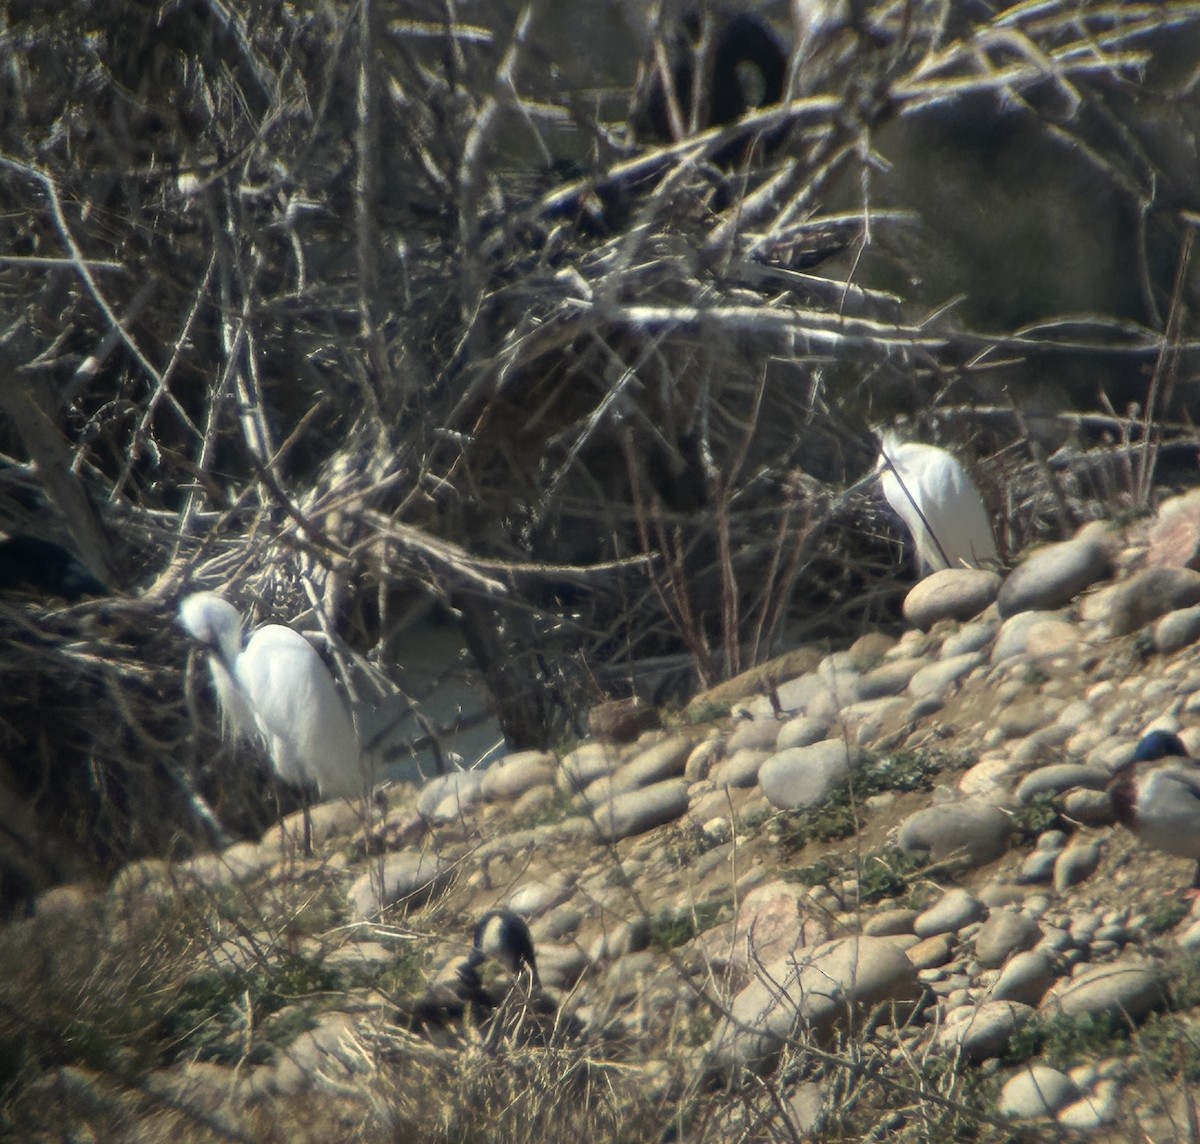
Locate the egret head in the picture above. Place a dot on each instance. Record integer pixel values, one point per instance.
(215, 622)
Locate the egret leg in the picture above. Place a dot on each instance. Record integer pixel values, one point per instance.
(307, 824)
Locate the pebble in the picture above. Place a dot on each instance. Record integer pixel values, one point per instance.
(1004, 933)
(741, 769)
(400, 882)
(1130, 987)
(1013, 634)
(1059, 777)
(637, 811)
(1037, 1090)
(513, 775)
(950, 594)
(809, 995)
(982, 1031)
(453, 792)
(970, 637)
(954, 910)
(1145, 596)
(807, 776)
(1026, 978)
(1177, 630)
(1053, 576)
(1075, 864)
(939, 676)
(972, 830)
(802, 731)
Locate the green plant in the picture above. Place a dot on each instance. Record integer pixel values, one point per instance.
(1037, 816)
(670, 928)
(885, 873)
(1063, 1041)
(1165, 914)
(820, 873)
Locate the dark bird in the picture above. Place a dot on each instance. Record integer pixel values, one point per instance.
(1156, 795)
(31, 564)
(502, 936)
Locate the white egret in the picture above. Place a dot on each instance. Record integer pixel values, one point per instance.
(278, 690)
(1156, 795)
(939, 504)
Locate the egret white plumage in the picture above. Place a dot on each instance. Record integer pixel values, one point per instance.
(1156, 795)
(277, 689)
(939, 504)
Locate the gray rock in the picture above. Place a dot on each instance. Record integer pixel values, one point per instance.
(560, 966)
(802, 731)
(1005, 932)
(703, 758)
(664, 760)
(757, 733)
(1038, 867)
(1054, 576)
(1177, 629)
(889, 678)
(807, 776)
(1091, 807)
(1092, 1112)
(537, 897)
(404, 881)
(933, 952)
(1076, 864)
(460, 788)
(808, 997)
(741, 768)
(1037, 1090)
(1131, 987)
(584, 765)
(558, 923)
(936, 678)
(950, 594)
(970, 830)
(640, 810)
(970, 637)
(807, 694)
(982, 1032)
(623, 939)
(511, 776)
(955, 909)
(1013, 636)
(1147, 595)
(888, 923)
(1026, 978)
(773, 921)
(1059, 777)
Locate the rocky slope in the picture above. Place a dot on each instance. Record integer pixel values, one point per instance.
(884, 880)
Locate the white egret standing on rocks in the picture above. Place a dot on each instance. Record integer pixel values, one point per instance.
(278, 689)
(939, 504)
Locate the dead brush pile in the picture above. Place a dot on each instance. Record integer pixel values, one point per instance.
(344, 305)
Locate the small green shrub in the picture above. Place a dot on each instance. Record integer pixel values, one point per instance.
(885, 873)
(671, 928)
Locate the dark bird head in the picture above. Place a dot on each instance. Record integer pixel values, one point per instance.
(1159, 745)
